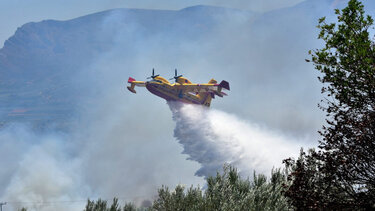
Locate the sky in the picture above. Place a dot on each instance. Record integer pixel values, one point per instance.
(15, 13)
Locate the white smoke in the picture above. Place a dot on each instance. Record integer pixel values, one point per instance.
(38, 170)
(212, 138)
(105, 158)
(57, 171)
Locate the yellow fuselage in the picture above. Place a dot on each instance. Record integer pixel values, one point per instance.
(162, 88)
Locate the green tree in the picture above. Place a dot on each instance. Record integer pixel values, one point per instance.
(179, 199)
(341, 175)
(129, 207)
(227, 191)
(101, 205)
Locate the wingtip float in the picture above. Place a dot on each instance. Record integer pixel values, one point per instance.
(182, 90)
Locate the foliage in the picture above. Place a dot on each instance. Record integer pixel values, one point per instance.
(341, 175)
(178, 199)
(101, 205)
(311, 188)
(227, 191)
(129, 207)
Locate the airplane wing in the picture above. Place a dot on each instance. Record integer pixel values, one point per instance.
(134, 83)
(200, 88)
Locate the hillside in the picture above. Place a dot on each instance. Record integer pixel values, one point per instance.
(40, 63)
(51, 71)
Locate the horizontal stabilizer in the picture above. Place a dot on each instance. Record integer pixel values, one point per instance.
(224, 84)
(220, 94)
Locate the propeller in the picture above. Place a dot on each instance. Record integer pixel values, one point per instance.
(153, 74)
(175, 75)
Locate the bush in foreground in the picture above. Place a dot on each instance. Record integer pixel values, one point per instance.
(226, 191)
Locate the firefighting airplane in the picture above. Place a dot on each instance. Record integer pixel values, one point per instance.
(182, 90)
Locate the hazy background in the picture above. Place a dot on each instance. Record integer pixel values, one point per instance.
(15, 13)
(70, 129)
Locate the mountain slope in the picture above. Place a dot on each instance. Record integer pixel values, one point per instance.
(54, 70)
(39, 64)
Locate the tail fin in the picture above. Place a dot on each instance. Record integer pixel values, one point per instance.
(224, 84)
